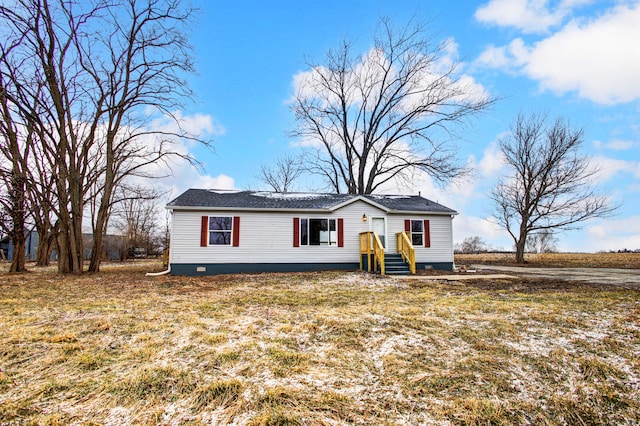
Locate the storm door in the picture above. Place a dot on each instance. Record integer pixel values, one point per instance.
(378, 226)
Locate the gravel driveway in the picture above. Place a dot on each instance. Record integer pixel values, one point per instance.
(592, 275)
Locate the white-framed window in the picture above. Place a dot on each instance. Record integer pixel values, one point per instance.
(417, 233)
(220, 230)
(318, 232)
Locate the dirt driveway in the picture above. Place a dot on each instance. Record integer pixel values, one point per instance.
(591, 275)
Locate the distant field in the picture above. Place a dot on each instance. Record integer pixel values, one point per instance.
(587, 260)
(119, 348)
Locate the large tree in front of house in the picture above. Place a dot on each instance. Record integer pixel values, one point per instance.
(370, 117)
(550, 184)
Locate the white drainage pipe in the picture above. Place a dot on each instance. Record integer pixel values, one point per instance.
(157, 274)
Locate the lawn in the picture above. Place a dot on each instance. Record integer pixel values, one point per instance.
(331, 348)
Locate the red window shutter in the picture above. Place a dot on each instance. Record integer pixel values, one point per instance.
(427, 234)
(407, 225)
(236, 231)
(296, 232)
(204, 231)
(340, 232)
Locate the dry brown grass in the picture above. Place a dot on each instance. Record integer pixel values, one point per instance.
(319, 348)
(575, 260)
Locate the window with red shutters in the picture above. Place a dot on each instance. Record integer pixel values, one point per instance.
(420, 233)
(220, 230)
(318, 232)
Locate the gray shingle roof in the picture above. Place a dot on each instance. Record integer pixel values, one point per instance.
(263, 200)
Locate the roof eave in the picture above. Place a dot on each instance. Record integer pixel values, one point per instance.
(246, 209)
(423, 212)
(306, 210)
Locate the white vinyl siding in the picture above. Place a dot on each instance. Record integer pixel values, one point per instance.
(440, 232)
(267, 237)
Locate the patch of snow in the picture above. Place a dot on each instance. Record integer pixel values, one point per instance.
(224, 191)
(365, 279)
(390, 197)
(118, 416)
(290, 195)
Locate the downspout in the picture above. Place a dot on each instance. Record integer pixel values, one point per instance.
(157, 274)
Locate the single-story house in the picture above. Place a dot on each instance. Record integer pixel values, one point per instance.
(220, 231)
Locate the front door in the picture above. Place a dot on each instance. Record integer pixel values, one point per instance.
(378, 226)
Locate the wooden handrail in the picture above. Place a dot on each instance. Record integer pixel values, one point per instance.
(406, 249)
(370, 244)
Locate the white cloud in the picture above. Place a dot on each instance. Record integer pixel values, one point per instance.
(510, 58)
(614, 145)
(529, 16)
(465, 226)
(495, 57)
(197, 125)
(599, 58)
(613, 234)
(492, 161)
(609, 167)
(176, 174)
(187, 177)
(221, 181)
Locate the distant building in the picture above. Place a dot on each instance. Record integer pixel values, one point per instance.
(114, 247)
(31, 246)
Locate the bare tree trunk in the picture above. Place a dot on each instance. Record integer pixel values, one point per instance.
(46, 245)
(102, 218)
(43, 256)
(520, 249)
(18, 261)
(18, 213)
(98, 240)
(15, 180)
(76, 235)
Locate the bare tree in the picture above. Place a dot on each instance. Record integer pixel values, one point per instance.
(52, 93)
(89, 73)
(15, 149)
(135, 216)
(473, 244)
(282, 174)
(148, 54)
(550, 185)
(43, 195)
(542, 242)
(385, 114)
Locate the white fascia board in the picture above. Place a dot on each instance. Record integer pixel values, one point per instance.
(360, 198)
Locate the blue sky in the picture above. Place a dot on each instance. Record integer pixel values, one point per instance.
(577, 59)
